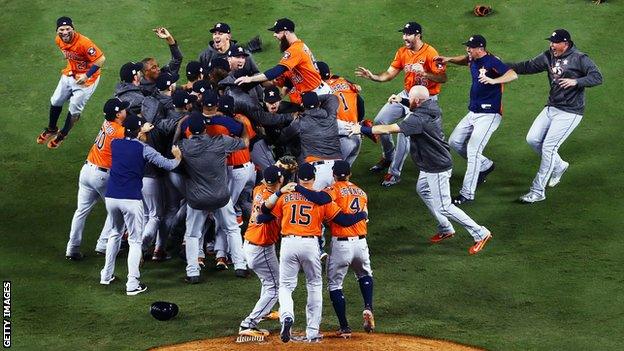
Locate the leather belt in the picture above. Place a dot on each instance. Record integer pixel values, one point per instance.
(346, 238)
(299, 236)
(101, 169)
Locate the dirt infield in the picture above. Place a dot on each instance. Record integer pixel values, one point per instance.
(359, 341)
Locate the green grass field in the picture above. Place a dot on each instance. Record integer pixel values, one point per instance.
(551, 278)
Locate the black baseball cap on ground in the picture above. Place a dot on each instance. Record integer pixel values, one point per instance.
(181, 98)
(306, 171)
(132, 122)
(411, 28)
(272, 174)
(323, 69)
(283, 24)
(341, 168)
(220, 27)
(476, 41)
(113, 106)
(197, 123)
(64, 21)
(310, 100)
(166, 79)
(560, 35)
(128, 70)
(201, 86)
(272, 94)
(194, 68)
(236, 51)
(218, 63)
(210, 98)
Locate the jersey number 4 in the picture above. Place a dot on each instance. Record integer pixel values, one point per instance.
(300, 214)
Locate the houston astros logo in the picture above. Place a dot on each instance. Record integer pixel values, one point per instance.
(482, 72)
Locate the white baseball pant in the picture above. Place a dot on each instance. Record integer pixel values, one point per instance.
(78, 95)
(263, 261)
(347, 252)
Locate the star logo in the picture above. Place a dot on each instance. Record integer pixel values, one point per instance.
(554, 33)
(218, 25)
(565, 62)
(471, 39)
(482, 71)
(407, 25)
(240, 49)
(271, 93)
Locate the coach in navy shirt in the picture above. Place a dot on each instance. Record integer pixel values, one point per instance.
(485, 111)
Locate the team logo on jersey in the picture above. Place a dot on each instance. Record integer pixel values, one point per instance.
(91, 51)
(557, 70)
(482, 72)
(286, 55)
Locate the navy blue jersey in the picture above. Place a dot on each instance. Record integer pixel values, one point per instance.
(486, 98)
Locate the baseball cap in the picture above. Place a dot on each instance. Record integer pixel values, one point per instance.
(218, 63)
(196, 123)
(166, 79)
(272, 94)
(272, 174)
(129, 70)
(283, 24)
(476, 41)
(341, 168)
(210, 98)
(310, 100)
(306, 171)
(220, 27)
(181, 98)
(194, 68)
(236, 51)
(560, 35)
(132, 122)
(226, 104)
(323, 69)
(201, 86)
(64, 21)
(112, 106)
(411, 28)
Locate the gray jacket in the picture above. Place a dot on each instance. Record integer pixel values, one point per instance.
(173, 66)
(130, 93)
(244, 97)
(211, 53)
(428, 149)
(204, 159)
(571, 64)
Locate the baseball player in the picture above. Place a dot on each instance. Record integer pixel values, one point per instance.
(94, 177)
(259, 248)
(485, 111)
(124, 199)
(301, 221)
(297, 59)
(416, 59)
(220, 45)
(431, 155)
(194, 72)
(570, 71)
(128, 89)
(151, 70)
(78, 80)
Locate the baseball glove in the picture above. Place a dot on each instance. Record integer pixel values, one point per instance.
(482, 10)
(288, 163)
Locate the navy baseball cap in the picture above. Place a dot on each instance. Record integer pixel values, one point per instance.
(64, 21)
(210, 98)
(113, 106)
(283, 24)
(272, 174)
(476, 41)
(310, 100)
(129, 70)
(197, 123)
(194, 68)
(236, 51)
(181, 98)
(132, 122)
(323, 69)
(560, 35)
(218, 63)
(220, 27)
(306, 171)
(272, 94)
(411, 28)
(166, 79)
(341, 168)
(201, 86)
(226, 104)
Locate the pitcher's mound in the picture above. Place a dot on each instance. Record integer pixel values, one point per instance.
(359, 341)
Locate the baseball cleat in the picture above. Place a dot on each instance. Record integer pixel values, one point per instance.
(221, 264)
(141, 288)
(441, 236)
(344, 333)
(381, 165)
(479, 245)
(369, 123)
(160, 256)
(285, 332)
(108, 281)
(324, 256)
(100, 252)
(555, 178)
(369, 321)
(46, 135)
(531, 197)
(390, 180)
(245, 331)
(241, 273)
(461, 200)
(483, 175)
(55, 142)
(201, 262)
(192, 280)
(76, 256)
(272, 316)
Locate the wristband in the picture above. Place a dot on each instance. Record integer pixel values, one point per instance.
(366, 130)
(92, 70)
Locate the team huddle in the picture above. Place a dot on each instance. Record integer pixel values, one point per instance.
(192, 164)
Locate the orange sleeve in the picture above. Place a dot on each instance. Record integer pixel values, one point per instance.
(89, 50)
(399, 61)
(332, 191)
(330, 210)
(292, 57)
(277, 209)
(431, 65)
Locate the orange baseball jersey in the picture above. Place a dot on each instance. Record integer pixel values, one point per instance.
(406, 58)
(347, 93)
(300, 61)
(298, 216)
(266, 233)
(80, 53)
(100, 153)
(293, 94)
(240, 157)
(351, 199)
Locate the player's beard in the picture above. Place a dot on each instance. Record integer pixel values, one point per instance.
(284, 44)
(67, 38)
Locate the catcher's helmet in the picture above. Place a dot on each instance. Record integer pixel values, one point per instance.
(163, 311)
